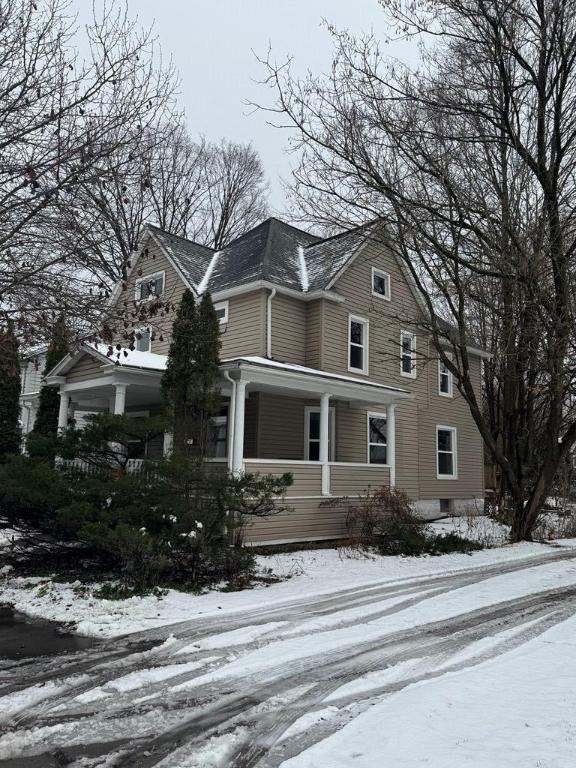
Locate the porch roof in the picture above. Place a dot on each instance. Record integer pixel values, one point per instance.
(289, 376)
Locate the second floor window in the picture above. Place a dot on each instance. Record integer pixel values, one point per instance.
(150, 287)
(221, 309)
(408, 354)
(357, 344)
(444, 380)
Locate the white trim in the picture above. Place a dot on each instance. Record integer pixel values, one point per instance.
(379, 415)
(382, 273)
(222, 305)
(365, 346)
(412, 374)
(450, 393)
(358, 464)
(282, 461)
(308, 409)
(454, 431)
(155, 275)
(258, 285)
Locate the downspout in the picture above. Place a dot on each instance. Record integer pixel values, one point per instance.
(269, 323)
(231, 418)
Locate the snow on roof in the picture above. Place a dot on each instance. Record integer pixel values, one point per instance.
(203, 284)
(132, 358)
(264, 361)
(303, 269)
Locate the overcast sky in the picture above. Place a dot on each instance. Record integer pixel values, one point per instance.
(212, 43)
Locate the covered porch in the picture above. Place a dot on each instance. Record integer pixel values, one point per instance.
(336, 434)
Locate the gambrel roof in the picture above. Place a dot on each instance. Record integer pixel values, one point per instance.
(273, 251)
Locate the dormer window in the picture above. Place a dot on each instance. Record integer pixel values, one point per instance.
(150, 287)
(380, 284)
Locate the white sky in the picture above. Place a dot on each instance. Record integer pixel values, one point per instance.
(212, 42)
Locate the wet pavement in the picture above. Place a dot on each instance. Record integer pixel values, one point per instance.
(23, 637)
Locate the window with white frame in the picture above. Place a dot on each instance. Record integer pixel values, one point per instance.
(150, 287)
(408, 354)
(217, 445)
(143, 339)
(312, 434)
(445, 386)
(446, 451)
(380, 283)
(357, 344)
(377, 438)
(221, 309)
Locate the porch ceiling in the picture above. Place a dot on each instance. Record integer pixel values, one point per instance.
(285, 378)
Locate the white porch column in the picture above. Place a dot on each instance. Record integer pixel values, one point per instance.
(119, 399)
(63, 411)
(238, 438)
(168, 443)
(391, 441)
(324, 437)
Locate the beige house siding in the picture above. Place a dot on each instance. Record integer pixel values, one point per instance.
(280, 427)
(314, 330)
(85, 368)
(415, 421)
(305, 520)
(288, 329)
(245, 331)
(244, 334)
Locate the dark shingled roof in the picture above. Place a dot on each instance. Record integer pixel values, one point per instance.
(272, 251)
(191, 258)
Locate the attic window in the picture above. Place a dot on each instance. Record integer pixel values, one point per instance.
(221, 309)
(150, 287)
(380, 284)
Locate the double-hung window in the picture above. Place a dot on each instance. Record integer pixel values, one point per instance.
(377, 438)
(143, 339)
(312, 434)
(445, 386)
(446, 453)
(357, 344)
(150, 287)
(408, 354)
(380, 284)
(221, 309)
(217, 447)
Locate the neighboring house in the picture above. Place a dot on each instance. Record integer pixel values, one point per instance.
(325, 372)
(31, 370)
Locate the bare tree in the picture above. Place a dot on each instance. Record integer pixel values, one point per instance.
(237, 193)
(469, 161)
(66, 124)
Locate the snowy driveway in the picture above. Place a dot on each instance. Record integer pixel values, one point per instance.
(476, 667)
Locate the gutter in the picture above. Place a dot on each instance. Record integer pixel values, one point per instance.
(271, 295)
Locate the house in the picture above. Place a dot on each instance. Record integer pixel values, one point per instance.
(325, 372)
(31, 367)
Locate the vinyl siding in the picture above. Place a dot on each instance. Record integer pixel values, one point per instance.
(280, 427)
(84, 369)
(415, 421)
(288, 329)
(304, 520)
(314, 327)
(243, 334)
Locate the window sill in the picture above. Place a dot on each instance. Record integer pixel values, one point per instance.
(381, 296)
(446, 477)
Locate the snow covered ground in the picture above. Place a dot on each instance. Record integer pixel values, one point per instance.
(311, 572)
(439, 662)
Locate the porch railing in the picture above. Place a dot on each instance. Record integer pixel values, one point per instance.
(345, 478)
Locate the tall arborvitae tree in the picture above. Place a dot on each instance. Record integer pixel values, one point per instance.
(189, 384)
(179, 371)
(10, 386)
(46, 423)
(204, 392)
